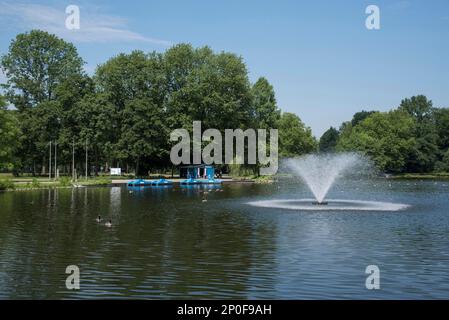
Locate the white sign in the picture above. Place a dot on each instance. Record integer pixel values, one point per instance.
(116, 171)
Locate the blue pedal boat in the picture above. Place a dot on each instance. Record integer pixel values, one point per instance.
(210, 181)
(139, 183)
(161, 182)
(190, 181)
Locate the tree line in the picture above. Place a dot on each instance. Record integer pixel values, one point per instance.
(123, 114)
(414, 137)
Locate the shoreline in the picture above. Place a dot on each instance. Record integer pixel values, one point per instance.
(45, 185)
(419, 176)
(26, 185)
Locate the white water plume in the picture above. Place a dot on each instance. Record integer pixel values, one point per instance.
(320, 171)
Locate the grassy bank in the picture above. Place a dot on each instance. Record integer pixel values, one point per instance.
(436, 175)
(45, 183)
(254, 179)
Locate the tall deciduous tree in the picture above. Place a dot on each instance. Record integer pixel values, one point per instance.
(425, 151)
(35, 64)
(360, 116)
(419, 107)
(265, 107)
(329, 140)
(135, 86)
(144, 134)
(208, 87)
(294, 137)
(442, 127)
(9, 135)
(386, 137)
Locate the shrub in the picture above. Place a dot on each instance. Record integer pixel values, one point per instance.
(6, 184)
(103, 181)
(65, 182)
(35, 183)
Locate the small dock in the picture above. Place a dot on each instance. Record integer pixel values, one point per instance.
(177, 181)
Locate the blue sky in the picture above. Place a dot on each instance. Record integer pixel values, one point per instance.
(322, 61)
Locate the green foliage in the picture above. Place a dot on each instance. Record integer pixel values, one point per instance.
(266, 111)
(360, 116)
(65, 182)
(294, 137)
(35, 64)
(443, 165)
(425, 151)
(9, 135)
(208, 87)
(35, 183)
(442, 127)
(126, 111)
(329, 140)
(6, 184)
(104, 181)
(144, 133)
(417, 107)
(386, 137)
(240, 170)
(413, 138)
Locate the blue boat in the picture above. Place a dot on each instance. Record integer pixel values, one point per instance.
(210, 181)
(139, 183)
(161, 182)
(190, 181)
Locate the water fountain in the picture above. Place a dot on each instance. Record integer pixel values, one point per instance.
(320, 172)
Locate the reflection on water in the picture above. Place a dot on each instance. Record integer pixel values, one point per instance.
(166, 242)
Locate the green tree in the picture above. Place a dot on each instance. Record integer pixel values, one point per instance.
(124, 78)
(207, 87)
(90, 120)
(126, 81)
(144, 134)
(35, 64)
(329, 140)
(265, 107)
(442, 127)
(425, 152)
(443, 165)
(417, 107)
(40, 125)
(360, 116)
(386, 137)
(294, 137)
(9, 135)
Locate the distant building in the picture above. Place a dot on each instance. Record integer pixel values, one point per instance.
(199, 171)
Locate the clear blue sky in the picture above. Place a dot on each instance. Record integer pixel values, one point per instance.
(322, 61)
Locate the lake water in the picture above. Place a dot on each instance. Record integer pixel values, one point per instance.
(167, 243)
